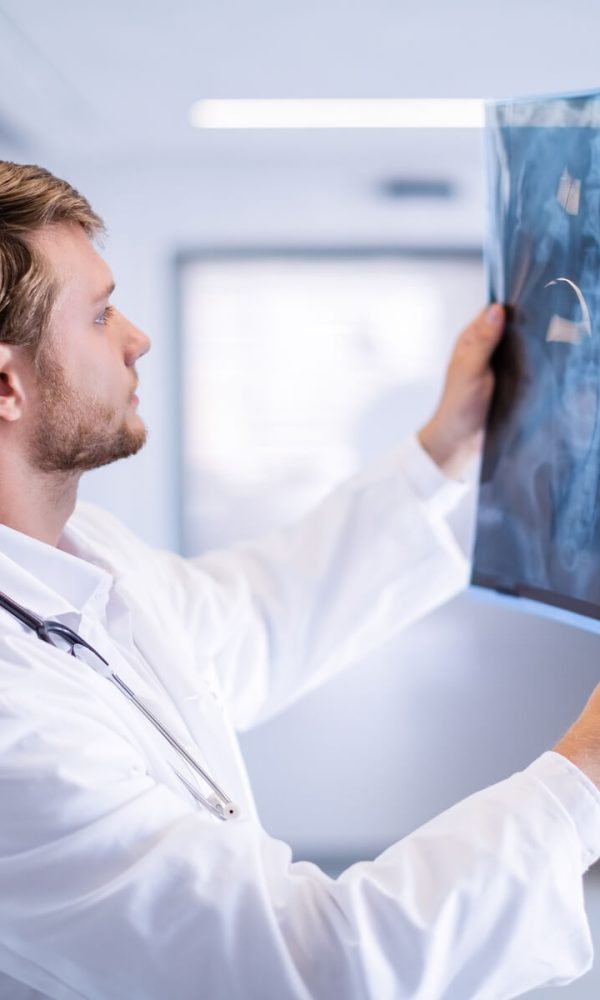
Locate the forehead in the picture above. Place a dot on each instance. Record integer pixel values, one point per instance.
(72, 260)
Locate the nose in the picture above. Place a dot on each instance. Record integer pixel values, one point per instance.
(136, 342)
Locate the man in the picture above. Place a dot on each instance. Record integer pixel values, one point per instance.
(123, 872)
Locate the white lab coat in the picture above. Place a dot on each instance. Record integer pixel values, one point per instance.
(115, 885)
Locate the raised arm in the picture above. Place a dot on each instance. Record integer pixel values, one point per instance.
(111, 886)
(376, 555)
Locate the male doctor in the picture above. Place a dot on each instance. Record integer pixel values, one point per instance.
(124, 872)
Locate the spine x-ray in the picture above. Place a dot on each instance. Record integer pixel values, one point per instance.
(538, 522)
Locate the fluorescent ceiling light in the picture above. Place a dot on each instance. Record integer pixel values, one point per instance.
(330, 113)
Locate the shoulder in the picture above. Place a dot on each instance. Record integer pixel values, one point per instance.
(95, 524)
(105, 541)
(101, 538)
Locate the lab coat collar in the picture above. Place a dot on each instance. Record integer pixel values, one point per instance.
(48, 580)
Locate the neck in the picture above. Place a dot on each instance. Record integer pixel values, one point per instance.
(36, 503)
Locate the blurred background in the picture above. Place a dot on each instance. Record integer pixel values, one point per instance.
(302, 289)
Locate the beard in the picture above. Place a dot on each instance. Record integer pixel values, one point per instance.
(73, 433)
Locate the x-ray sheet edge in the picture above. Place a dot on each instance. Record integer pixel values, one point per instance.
(524, 605)
(485, 591)
(544, 111)
(559, 95)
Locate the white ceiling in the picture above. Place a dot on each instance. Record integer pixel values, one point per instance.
(110, 83)
(116, 78)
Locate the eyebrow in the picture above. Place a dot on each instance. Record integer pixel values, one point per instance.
(104, 294)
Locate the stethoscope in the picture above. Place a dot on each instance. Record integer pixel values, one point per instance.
(64, 638)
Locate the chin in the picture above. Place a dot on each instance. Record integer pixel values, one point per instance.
(134, 424)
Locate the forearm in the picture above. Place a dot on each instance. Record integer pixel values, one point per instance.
(581, 743)
(484, 901)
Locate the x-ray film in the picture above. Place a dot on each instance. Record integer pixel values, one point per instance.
(538, 521)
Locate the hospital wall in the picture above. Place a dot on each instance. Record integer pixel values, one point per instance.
(461, 699)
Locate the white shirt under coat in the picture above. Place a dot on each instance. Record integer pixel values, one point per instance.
(115, 885)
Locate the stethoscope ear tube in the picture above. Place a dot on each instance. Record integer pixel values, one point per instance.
(223, 810)
(218, 803)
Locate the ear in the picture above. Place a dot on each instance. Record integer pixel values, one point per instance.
(12, 383)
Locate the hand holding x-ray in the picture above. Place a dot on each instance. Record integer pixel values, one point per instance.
(454, 433)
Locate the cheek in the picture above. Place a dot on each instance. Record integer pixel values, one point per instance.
(96, 370)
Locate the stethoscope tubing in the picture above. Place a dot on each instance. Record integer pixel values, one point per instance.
(44, 628)
(180, 749)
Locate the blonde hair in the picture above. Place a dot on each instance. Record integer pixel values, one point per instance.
(31, 198)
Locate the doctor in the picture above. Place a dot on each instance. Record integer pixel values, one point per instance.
(132, 861)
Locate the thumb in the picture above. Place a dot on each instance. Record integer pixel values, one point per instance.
(481, 337)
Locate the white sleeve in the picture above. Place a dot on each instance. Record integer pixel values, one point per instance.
(112, 888)
(280, 615)
(303, 603)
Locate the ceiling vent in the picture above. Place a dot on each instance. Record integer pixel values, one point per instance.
(405, 188)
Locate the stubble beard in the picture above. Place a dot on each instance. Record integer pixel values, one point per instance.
(74, 434)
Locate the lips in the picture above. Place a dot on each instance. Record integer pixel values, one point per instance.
(134, 398)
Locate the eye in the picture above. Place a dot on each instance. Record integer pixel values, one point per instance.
(104, 316)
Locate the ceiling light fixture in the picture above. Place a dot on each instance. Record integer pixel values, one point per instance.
(337, 113)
